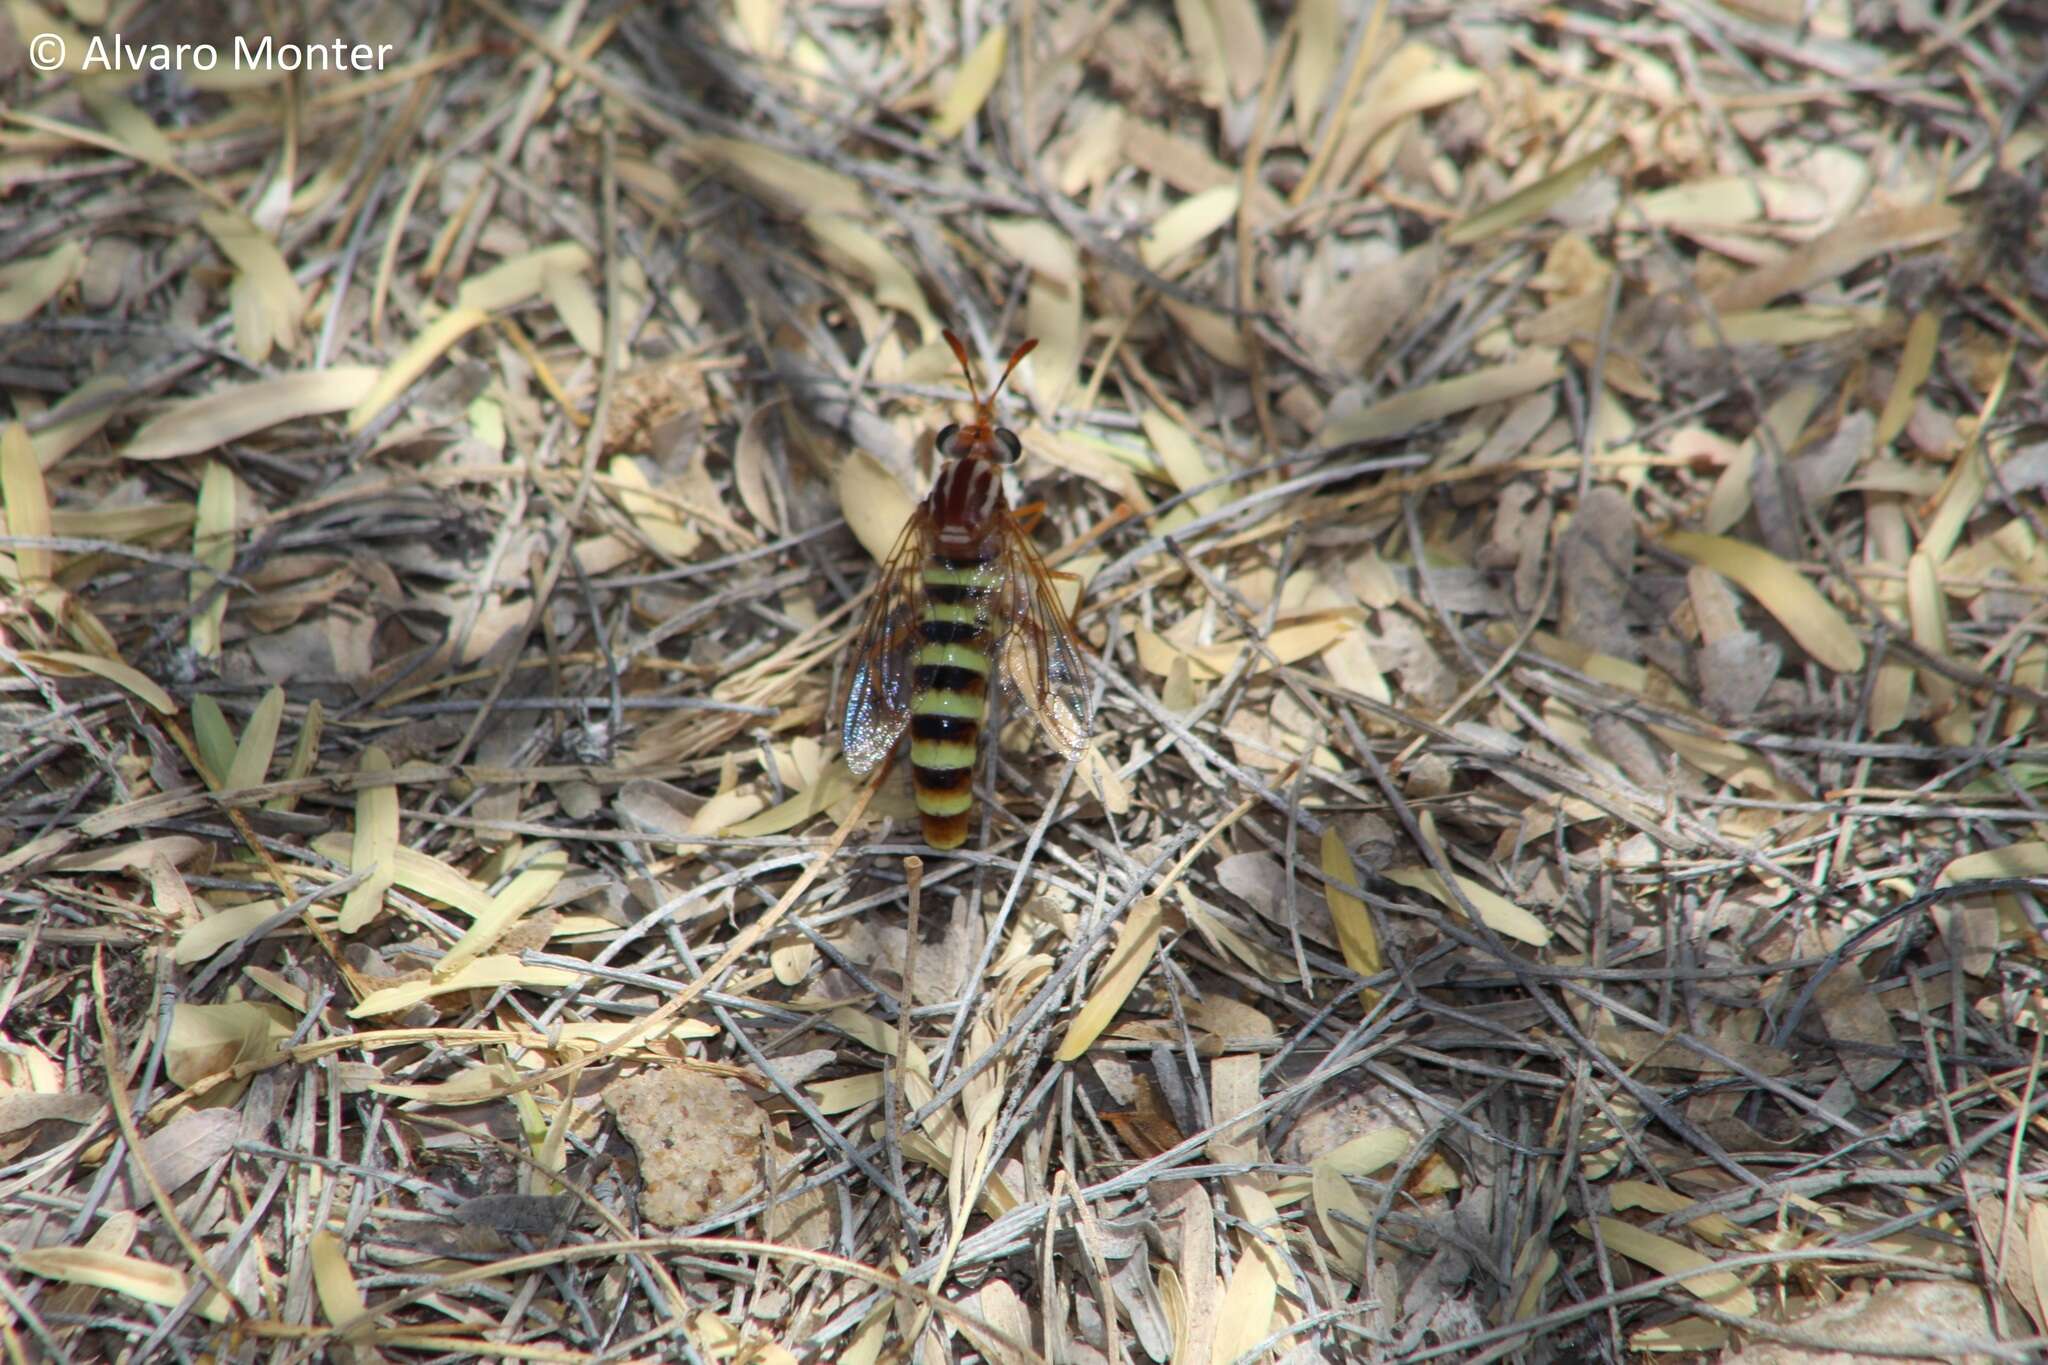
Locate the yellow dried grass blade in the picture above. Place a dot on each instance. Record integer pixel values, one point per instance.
(1503, 914)
(1342, 1215)
(1927, 614)
(874, 502)
(793, 184)
(1242, 38)
(1809, 618)
(211, 421)
(1896, 227)
(1183, 460)
(972, 84)
(1534, 201)
(123, 121)
(486, 973)
(26, 500)
(376, 842)
(266, 298)
(341, 1299)
(146, 1281)
(575, 303)
(513, 282)
(462, 1088)
(415, 360)
(497, 289)
(1970, 477)
(213, 544)
(1641, 1194)
(1211, 331)
(2029, 859)
(1136, 943)
(201, 941)
(113, 670)
(1204, 48)
(1246, 1318)
(1782, 423)
(27, 284)
(1331, 1191)
(124, 525)
(214, 738)
(835, 784)
(1714, 201)
(1039, 245)
(78, 417)
(1356, 936)
(1186, 224)
(417, 872)
(1321, 26)
(1716, 1287)
(304, 753)
(659, 520)
(1540, 1277)
(2037, 1259)
(258, 744)
(528, 889)
(1052, 313)
(894, 285)
(1916, 362)
(1405, 412)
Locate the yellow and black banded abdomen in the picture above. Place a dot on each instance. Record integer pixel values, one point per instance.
(949, 696)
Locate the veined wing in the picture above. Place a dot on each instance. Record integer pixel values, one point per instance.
(1041, 657)
(885, 651)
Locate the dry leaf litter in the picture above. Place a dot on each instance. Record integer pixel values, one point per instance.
(1556, 495)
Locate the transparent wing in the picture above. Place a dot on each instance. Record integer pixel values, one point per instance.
(1042, 659)
(885, 651)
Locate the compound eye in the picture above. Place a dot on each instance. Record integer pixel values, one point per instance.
(1008, 448)
(949, 441)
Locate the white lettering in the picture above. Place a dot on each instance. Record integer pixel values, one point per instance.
(118, 54)
(336, 55)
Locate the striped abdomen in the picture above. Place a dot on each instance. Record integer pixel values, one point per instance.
(949, 694)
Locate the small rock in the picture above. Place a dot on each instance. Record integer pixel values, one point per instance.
(699, 1142)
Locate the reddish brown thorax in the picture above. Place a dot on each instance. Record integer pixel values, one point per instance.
(968, 494)
(964, 503)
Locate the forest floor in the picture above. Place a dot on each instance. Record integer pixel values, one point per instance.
(1552, 502)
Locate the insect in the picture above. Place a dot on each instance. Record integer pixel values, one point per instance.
(963, 595)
